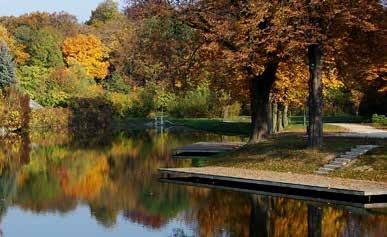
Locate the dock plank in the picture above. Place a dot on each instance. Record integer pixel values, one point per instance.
(288, 180)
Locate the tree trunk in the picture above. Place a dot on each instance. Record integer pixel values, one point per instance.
(225, 112)
(274, 119)
(285, 120)
(270, 119)
(315, 125)
(260, 87)
(280, 118)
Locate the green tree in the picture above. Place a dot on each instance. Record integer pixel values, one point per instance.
(45, 50)
(7, 67)
(105, 11)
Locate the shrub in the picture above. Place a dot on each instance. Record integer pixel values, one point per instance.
(54, 118)
(31, 80)
(232, 111)
(116, 83)
(143, 102)
(379, 119)
(56, 88)
(14, 110)
(121, 104)
(200, 102)
(90, 113)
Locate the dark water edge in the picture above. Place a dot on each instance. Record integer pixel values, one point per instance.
(57, 183)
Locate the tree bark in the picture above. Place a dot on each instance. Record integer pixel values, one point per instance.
(270, 119)
(280, 118)
(315, 125)
(286, 116)
(225, 112)
(260, 87)
(274, 119)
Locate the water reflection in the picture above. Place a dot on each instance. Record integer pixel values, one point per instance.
(114, 178)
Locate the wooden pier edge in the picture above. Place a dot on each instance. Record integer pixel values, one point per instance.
(168, 172)
(355, 205)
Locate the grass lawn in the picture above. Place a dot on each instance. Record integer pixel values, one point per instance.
(371, 166)
(288, 153)
(378, 126)
(130, 123)
(240, 127)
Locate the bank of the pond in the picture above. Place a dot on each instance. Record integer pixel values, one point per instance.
(288, 153)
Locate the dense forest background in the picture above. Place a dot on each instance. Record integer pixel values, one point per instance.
(167, 56)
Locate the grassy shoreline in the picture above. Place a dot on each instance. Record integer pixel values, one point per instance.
(288, 152)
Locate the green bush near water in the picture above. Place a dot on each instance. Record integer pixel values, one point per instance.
(379, 119)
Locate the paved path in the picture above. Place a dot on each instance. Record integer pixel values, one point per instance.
(358, 130)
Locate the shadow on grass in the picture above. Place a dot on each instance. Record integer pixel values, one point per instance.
(288, 153)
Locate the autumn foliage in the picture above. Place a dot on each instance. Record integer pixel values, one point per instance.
(88, 51)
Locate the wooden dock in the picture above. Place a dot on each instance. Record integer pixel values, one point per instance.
(373, 194)
(207, 148)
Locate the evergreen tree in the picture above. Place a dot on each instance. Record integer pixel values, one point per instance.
(7, 67)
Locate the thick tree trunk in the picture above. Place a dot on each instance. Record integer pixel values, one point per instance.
(274, 119)
(285, 120)
(260, 87)
(315, 125)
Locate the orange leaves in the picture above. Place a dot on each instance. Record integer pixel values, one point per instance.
(376, 77)
(88, 184)
(88, 51)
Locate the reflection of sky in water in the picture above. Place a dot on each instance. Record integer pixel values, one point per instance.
(77, 223)
(107, 185)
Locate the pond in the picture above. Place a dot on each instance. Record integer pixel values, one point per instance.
(107, 184)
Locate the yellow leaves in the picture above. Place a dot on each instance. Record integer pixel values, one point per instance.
(16, 49)
(331, 81)
(88, 51)
(88, 185)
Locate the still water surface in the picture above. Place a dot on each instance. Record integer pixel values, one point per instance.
(58, 184)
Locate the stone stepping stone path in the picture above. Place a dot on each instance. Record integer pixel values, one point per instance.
(345, 159)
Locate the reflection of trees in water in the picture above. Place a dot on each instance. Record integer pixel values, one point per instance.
(120, 176)
(364, 224)
(259, 217)
(104, 215)
(222, 214)
(314, 220)
(147, 219)
(219, 214)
